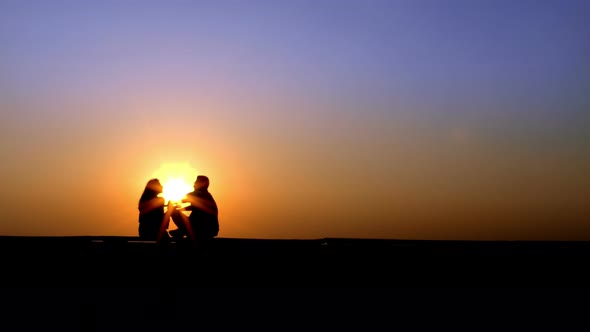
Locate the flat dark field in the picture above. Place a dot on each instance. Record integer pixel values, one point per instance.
(231, 262)
(119, 283)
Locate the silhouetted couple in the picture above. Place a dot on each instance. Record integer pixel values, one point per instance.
(201, 224)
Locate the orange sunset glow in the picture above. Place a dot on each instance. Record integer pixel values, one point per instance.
(176, 179)
(352, 119)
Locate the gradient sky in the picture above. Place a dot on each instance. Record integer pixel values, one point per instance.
(361, 119)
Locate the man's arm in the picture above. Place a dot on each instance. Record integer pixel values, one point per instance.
(203, 204)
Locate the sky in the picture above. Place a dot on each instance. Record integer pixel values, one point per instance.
(417, 119)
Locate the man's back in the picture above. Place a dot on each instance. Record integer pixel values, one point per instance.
(204, 214)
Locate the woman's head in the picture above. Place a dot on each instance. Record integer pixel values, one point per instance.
(152, 189)
(154, 185)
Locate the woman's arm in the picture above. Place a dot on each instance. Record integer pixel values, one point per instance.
(147, 206)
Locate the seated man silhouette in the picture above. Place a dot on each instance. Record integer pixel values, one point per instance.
(203, 219)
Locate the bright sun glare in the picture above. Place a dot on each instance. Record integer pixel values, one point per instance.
(177, 180)
(175, 189)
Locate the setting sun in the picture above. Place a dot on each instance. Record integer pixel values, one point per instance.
(175, 189)
(176, 179)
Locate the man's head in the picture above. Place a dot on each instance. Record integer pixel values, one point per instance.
(201, 183)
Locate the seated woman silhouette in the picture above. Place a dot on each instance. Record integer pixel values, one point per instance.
(153, 221)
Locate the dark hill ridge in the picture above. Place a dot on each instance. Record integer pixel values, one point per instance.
(103, 260)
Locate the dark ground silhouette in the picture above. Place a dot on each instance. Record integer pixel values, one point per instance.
(328, 262)
(119, 283)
